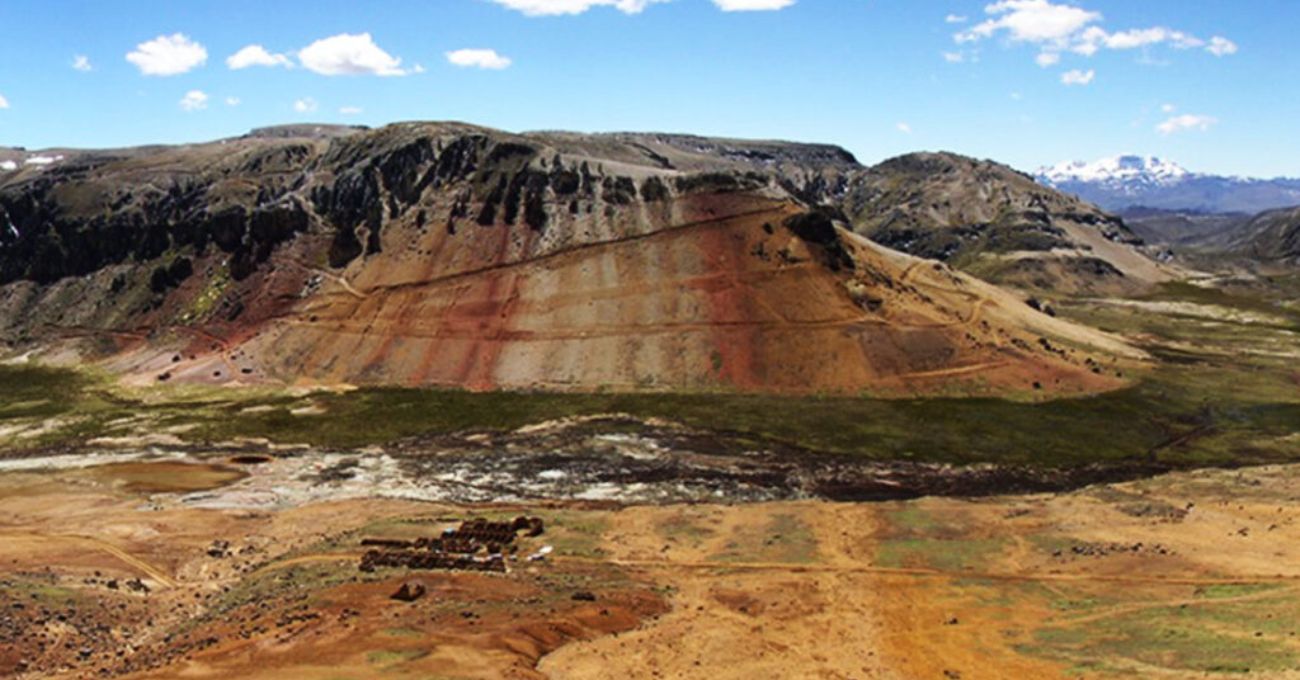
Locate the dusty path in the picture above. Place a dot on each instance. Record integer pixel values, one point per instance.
(127, 558)
(342, 281)
(689, 566)
(959, 370)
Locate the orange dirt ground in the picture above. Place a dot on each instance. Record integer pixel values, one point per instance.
(1040, 586)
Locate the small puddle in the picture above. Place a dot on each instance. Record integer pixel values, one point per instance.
(165, 476)
(250, 460)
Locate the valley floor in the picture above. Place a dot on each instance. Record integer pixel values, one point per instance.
(1180, 575)
(1152, 531)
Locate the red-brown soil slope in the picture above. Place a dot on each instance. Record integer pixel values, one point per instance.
(449, 255)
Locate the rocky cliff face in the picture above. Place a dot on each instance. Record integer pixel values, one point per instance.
(447, 254)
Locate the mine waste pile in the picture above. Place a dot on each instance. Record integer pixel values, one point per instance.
(478, 545)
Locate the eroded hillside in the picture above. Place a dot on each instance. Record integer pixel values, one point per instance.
(447, 254)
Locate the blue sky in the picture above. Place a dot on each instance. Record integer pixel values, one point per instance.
(1210, 84)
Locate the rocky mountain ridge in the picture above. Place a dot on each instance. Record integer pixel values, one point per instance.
(988, 219)
(1272, 237)
(449, 254)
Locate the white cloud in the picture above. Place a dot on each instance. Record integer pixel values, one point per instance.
(1037, 21)
(543, 8)
(349, 55)
(168, 55)
(1078, 77)
(1187, 121)
(954, 19)
(1168, 108)
(1094, 38)
(194, 100)
(256, 55)
(305, 105)
(1221, 46)
(233, 101)
(1016, 96)
(954, 57)
(537, 8)
(904, 128)
(82, 63)
(488, 59)
(752, 5)
(1060, 27)
(4, 103)
(350, 110)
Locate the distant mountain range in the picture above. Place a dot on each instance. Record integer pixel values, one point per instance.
(1124, 182)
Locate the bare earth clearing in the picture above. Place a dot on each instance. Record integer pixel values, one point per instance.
(1174, 576)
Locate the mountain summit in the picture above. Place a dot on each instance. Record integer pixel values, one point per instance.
(1124, 173)
(1123, 182)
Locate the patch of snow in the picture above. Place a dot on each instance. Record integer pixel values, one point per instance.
(42, 160)
(8, 166)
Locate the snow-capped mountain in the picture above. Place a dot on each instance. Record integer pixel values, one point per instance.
(1120, 171)
(1123, 182)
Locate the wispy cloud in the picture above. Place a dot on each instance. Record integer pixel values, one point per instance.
(752, 5)
(1186, 122)
(904, 128)
(545, 8)
(350, 110)
(1078, 77)
(82, 63)
(1221, 46)
(537, 8)
(305, 105)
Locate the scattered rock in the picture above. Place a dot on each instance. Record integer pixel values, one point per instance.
(410, 591)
